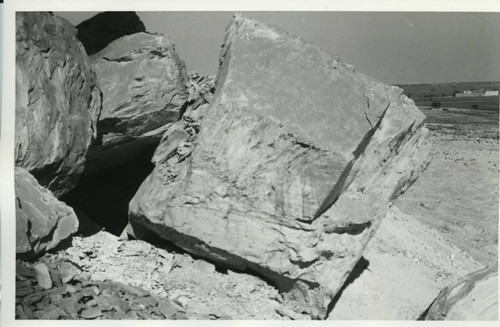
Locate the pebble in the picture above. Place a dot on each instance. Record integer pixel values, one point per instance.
(50, 315)
(98, 276)
(182, 301)
(56, 279)
(204, 266)
(67, 276)
(96, 290)
(23, 291)
(43, 276)
(92, 313)
(69, 289)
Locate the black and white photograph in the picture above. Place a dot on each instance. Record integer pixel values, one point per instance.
(249, 164)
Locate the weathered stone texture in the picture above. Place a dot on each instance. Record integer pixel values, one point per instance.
(42, 221)
(200, 89)
(57, 100)
(143, 84)
(291, 169)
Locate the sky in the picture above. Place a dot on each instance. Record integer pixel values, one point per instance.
(394, 47)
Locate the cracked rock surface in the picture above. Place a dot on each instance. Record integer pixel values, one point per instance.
(296, 162)
(57, 100)
(143, 85)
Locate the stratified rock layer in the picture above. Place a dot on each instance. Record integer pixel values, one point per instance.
(97, 32)
(57, 100)
(143, 84)
(473, 298)
(290, 170)
(42, 221)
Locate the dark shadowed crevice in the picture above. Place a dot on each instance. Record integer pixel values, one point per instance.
(352, 229)
(155, 240)
(45, 175)
(104, 196)
(169, 239)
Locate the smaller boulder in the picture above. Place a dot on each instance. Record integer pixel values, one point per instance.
(42, 221)
(473, 298)
(143, 82)
(97, 32)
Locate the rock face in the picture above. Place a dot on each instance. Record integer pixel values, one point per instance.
(290, 169)
(42, 221)
(57, 100)
(473, 298)
(143, 84)
(97, 32)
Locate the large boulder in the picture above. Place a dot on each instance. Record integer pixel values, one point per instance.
(143, 84)
(42, 221)
(291, 169)
(57, 100)
(475, 297)
(98, 31)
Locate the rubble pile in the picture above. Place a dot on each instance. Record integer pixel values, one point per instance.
(43, 293)
(200, 289)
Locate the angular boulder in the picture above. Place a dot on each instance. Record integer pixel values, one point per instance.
(57, 100)
(473, 298)
(291, 169)
(98, 31)
(143, 84)
(42, 221)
